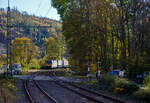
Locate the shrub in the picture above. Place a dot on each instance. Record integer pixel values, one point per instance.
(107, 82)
(117, 85)
(118, 90)
(24, 69)
(34, 67)
(93, 68)
(127, 87)
(143, 94)
(146, 81)
(34, 62)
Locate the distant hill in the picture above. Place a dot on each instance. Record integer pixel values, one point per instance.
(38, 35)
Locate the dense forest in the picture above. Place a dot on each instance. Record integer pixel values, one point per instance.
(115, 32)
(28, 30)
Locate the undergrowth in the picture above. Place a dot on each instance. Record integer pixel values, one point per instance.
(7, 87)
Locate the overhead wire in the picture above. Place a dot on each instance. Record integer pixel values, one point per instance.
(39, 6)
(48, 10)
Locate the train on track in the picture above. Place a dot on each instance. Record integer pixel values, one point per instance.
(53, 64)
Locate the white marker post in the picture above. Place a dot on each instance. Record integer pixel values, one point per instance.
(89, 75)
(98, 70)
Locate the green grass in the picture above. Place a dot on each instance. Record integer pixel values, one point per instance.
(24, 73)
(67, 74)
(78, 77)
(92, 83)
(25, 69)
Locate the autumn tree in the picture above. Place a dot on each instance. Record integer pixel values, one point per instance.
(3, 59)
(24, 51)
(51, 49)
(110, 31)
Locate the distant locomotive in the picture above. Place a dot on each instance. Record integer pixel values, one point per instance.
(48, 64)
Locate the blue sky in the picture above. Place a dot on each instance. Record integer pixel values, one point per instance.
(41, 8)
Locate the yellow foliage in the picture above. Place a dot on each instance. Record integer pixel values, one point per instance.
(5, 33)
(34, 62)
(138, 3)
(118, 90)
(93, 68)
(24, 50)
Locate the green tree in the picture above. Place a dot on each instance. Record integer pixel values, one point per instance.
(51, 49)
(111, 31)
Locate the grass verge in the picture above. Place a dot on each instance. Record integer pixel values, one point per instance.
(119, 87)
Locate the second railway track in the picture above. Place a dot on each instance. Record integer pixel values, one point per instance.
(87, 93)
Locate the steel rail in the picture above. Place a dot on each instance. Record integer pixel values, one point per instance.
(87, 90)
(52, 100)
(98, 94)
(76, 92)
(45, 93)
(28, 93)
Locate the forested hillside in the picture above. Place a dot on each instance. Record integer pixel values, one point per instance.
(24, 20)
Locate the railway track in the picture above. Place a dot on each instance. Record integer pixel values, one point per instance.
(96, 93)
(92, 96)
(86, 93)
(31, 96)
(27, 92)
